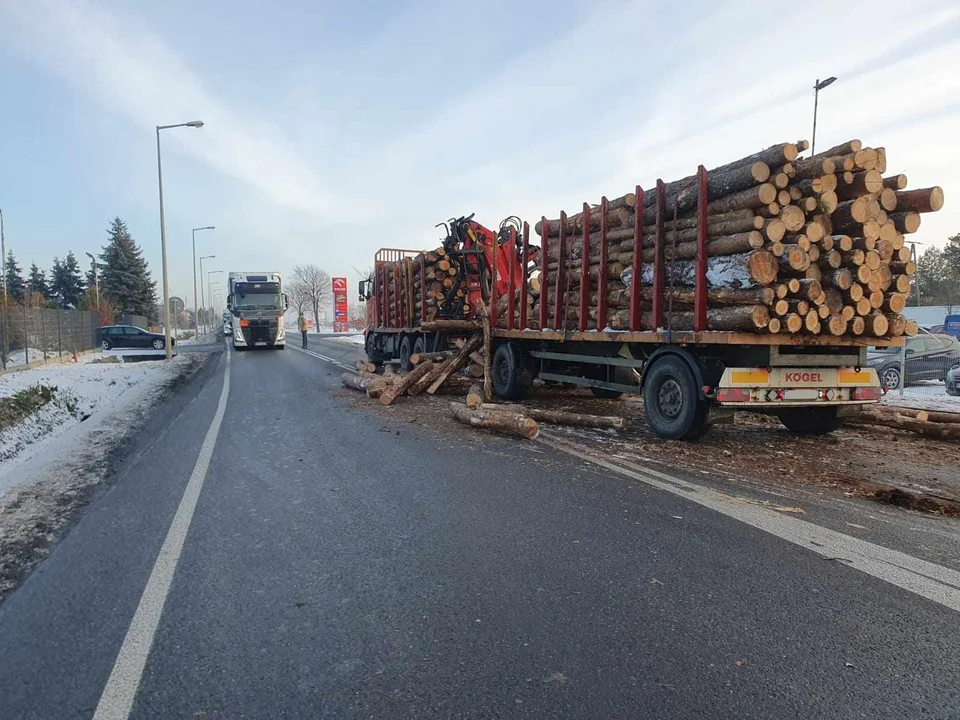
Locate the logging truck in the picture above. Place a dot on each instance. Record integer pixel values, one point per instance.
(755, 286)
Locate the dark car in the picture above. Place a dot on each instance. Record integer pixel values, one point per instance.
(123, 337)
(953, 381)
(928, 357)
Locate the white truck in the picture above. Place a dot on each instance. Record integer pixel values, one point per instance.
(256, 303)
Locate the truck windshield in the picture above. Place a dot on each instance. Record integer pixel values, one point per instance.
(260, 301)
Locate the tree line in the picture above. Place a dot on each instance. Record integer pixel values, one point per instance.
(125, 284)
(938, 274)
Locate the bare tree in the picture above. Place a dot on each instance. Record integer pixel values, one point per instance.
(314, 283)
(358, 317)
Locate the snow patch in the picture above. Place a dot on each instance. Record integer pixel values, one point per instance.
(18, 358)
(354, 339)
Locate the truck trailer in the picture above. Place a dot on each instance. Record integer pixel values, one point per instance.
(256, 303)
(705, 296)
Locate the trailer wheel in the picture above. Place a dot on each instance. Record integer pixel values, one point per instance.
(812, 421)
(406, 350)
(672, 400)
(512, 378)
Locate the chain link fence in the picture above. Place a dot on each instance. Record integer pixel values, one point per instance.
(925, 372)
(29, 335)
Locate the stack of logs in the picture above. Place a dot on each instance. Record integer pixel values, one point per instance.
(442, 288)
(928, 423)
(795, 246)
(466, 372)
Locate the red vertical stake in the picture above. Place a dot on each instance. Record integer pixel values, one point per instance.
(544, 273)
(512, 282)
(397, 313)
(423, 289)
(525, 282)
(585, 271)
(602, 278)
(659, 281)
(637, 261)
(559, 307)
(700, 283)
(494, 272)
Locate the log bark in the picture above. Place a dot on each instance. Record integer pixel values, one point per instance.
(512, 423)
(750, 198)
(851, 146)
(939, 431)
(354, 381)
(868, 182)
(734, 272)
(559, 417)
(895, 182)
(809, 168)
(922, 201)
(487, 360)
(456, 326)
(440, 356)
(906, 222)
(390, 395)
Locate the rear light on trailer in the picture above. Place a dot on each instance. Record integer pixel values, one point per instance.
(733, 395)
(867, 393)
(244, 323)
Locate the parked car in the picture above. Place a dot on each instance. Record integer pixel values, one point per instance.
(953, 381)
(117, 337)
(928, 357)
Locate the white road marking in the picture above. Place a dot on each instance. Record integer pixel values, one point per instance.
(121, 688)
(323, 357)
(926, 579)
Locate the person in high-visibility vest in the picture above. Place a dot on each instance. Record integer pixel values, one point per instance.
(302, 324)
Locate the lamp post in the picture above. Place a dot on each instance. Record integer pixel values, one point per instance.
(196, 314)
(96, 278)
(3, 254)
(818, 86)
(202, 301)
(210, 284)
(163, 233)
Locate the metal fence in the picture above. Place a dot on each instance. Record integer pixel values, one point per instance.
(29, 335)
(919, 373)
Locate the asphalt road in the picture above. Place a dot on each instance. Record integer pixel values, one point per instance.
(337, 564)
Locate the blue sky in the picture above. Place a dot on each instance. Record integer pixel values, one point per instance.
(333, 129)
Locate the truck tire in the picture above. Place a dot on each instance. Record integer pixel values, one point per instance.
(512, 377)
(370, 348)
(406, 350)
(420, 345)
(811, 420)
(672, 400)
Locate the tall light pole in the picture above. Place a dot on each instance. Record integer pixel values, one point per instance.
(163, 233)
(196, 314)
(202, 301)
(211, 284)
(96, 278)
(3, 254)
(818, 86)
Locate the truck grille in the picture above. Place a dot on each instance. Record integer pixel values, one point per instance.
(260, 331)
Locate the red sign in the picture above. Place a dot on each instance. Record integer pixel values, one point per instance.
(341, 320)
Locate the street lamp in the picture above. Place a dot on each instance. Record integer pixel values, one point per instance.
(96, 278)
(163, 232)
(202, 301)
(196, 314)
(818, 86)
(210, 285)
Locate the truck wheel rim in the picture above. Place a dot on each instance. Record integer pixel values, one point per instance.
(670, 398)
(502, 372)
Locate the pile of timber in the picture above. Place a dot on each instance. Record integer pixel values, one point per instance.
(795, 245)
(437, 281)
(928, 423)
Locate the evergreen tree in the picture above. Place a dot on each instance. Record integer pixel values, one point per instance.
(16, 286)
(66, 284)
(37, 282)
(125, 275)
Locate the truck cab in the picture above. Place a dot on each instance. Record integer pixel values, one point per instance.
(256, 303)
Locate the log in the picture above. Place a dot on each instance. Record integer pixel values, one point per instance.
(854, 293)
(619, 296)
(774, 229)
(364, 366)
(559, 417)
(774, 326)
(809, 168)
(750, 270)
(834, 300)
(794, 258)
(747, 318)
(812, 323)
(831, 260)
(895, 182)
(906, 222)
(858, 325)
(837, 325)
(808, 288)
(793, 218)
(487, 360)
(793, 323)
(841, 278)
(455, 326)
(888, 199)
(351, 380)
(475, 370)
(474, 396)
(922, 201)
(849, 313)
(512, 423)
(851, 146)
(939, 431)
(893, 302)
(877, 324)
(389, 396)
(750, 198)
(440, 356)
(868, 182)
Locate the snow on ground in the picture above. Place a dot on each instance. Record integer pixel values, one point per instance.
(352, 339)
(52, 459)
(925, 396)
(85, 392)
(16, 358)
